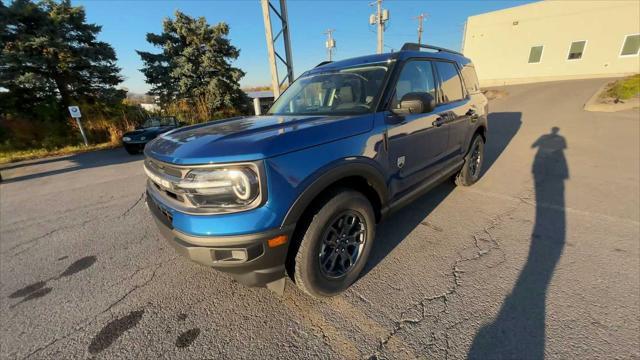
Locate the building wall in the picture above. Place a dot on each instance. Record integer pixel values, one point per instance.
(499, 42)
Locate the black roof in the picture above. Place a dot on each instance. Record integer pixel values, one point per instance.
(408, 50)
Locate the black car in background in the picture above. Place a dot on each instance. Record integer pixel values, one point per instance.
(134, 141)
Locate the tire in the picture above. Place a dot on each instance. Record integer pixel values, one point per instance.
(322, 243)
(131, 150)
(473, 161)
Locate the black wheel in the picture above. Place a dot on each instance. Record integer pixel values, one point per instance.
(131, 150)
(472, 168)
(335, 245)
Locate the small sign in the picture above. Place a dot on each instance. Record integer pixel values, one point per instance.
(74, 111)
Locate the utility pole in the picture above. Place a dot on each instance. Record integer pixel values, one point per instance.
(420, 20)
(379, 19)
(330, 43)
(267, 8)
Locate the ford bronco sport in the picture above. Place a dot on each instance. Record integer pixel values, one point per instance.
(300, 190)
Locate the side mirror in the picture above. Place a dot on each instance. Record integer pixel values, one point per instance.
(416, 103)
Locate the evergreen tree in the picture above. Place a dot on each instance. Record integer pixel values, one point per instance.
(194, 66)
(49, 54)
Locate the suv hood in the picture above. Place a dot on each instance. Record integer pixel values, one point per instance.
(253, 138)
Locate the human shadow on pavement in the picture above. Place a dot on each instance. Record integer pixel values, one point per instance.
(48, 167)
(503, 126)
(518, 332)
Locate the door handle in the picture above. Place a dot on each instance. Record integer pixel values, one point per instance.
(439, 121)
(472, 114)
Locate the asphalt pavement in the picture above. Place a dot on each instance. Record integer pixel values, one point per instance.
(539, 259)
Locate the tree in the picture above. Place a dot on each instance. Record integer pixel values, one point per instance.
(50, 54)
(194, 66)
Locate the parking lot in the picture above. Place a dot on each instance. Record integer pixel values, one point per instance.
(512, 267)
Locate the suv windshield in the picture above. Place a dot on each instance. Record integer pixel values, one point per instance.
(337, 92)
(159, 121)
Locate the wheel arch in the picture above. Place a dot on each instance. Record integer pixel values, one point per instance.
(482, 130)
(360, 176)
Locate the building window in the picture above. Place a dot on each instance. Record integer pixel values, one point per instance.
(631, 45)
(535, 55)
(576, 49)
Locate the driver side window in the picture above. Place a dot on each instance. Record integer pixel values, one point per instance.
(416, 76)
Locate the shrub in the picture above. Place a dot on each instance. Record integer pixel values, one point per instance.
(625, 88)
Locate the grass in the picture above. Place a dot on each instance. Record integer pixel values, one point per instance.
(624, 88)
(20, 155)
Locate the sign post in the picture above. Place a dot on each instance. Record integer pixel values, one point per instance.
(75, 113)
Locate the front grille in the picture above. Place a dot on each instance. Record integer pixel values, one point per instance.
(162, 176)
(169, 193)
(164, 169)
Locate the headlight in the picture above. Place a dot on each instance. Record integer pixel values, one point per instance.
(126, 138)
(232, 188)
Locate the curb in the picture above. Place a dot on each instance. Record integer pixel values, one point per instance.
(593, 105)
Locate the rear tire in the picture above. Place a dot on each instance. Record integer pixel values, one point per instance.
(473, 161)
(336, 245)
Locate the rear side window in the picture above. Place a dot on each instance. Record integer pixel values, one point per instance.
(451, 85)
(416, 76)
(470, 79)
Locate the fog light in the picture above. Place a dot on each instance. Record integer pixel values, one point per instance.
(239, 255)
(231, 255)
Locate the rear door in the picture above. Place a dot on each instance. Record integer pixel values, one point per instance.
(417, 142)
(454, 108)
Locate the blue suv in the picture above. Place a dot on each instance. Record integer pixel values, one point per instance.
(299, 191)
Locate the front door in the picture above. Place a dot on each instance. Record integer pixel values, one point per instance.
(417, 142)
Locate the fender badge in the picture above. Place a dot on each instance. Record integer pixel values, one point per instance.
(400, 162)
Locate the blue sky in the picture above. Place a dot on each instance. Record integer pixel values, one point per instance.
(126, 22)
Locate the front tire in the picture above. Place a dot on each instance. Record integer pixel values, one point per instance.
(473, 161)
(336, 245)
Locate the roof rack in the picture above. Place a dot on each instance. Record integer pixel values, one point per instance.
(324, 63)
(417, 47)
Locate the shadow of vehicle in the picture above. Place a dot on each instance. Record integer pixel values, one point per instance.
(518, 332)
(55, 166)
(25, 163)
(503, 126)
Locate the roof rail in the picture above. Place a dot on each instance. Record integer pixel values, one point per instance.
(417, 47)
(324, 63)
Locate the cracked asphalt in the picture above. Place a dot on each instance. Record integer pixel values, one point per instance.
(539, 259)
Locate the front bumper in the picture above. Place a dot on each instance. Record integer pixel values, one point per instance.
(137, 145)
(247, 258)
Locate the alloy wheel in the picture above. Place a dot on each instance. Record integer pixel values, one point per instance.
(342, 244)
(475, 161)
